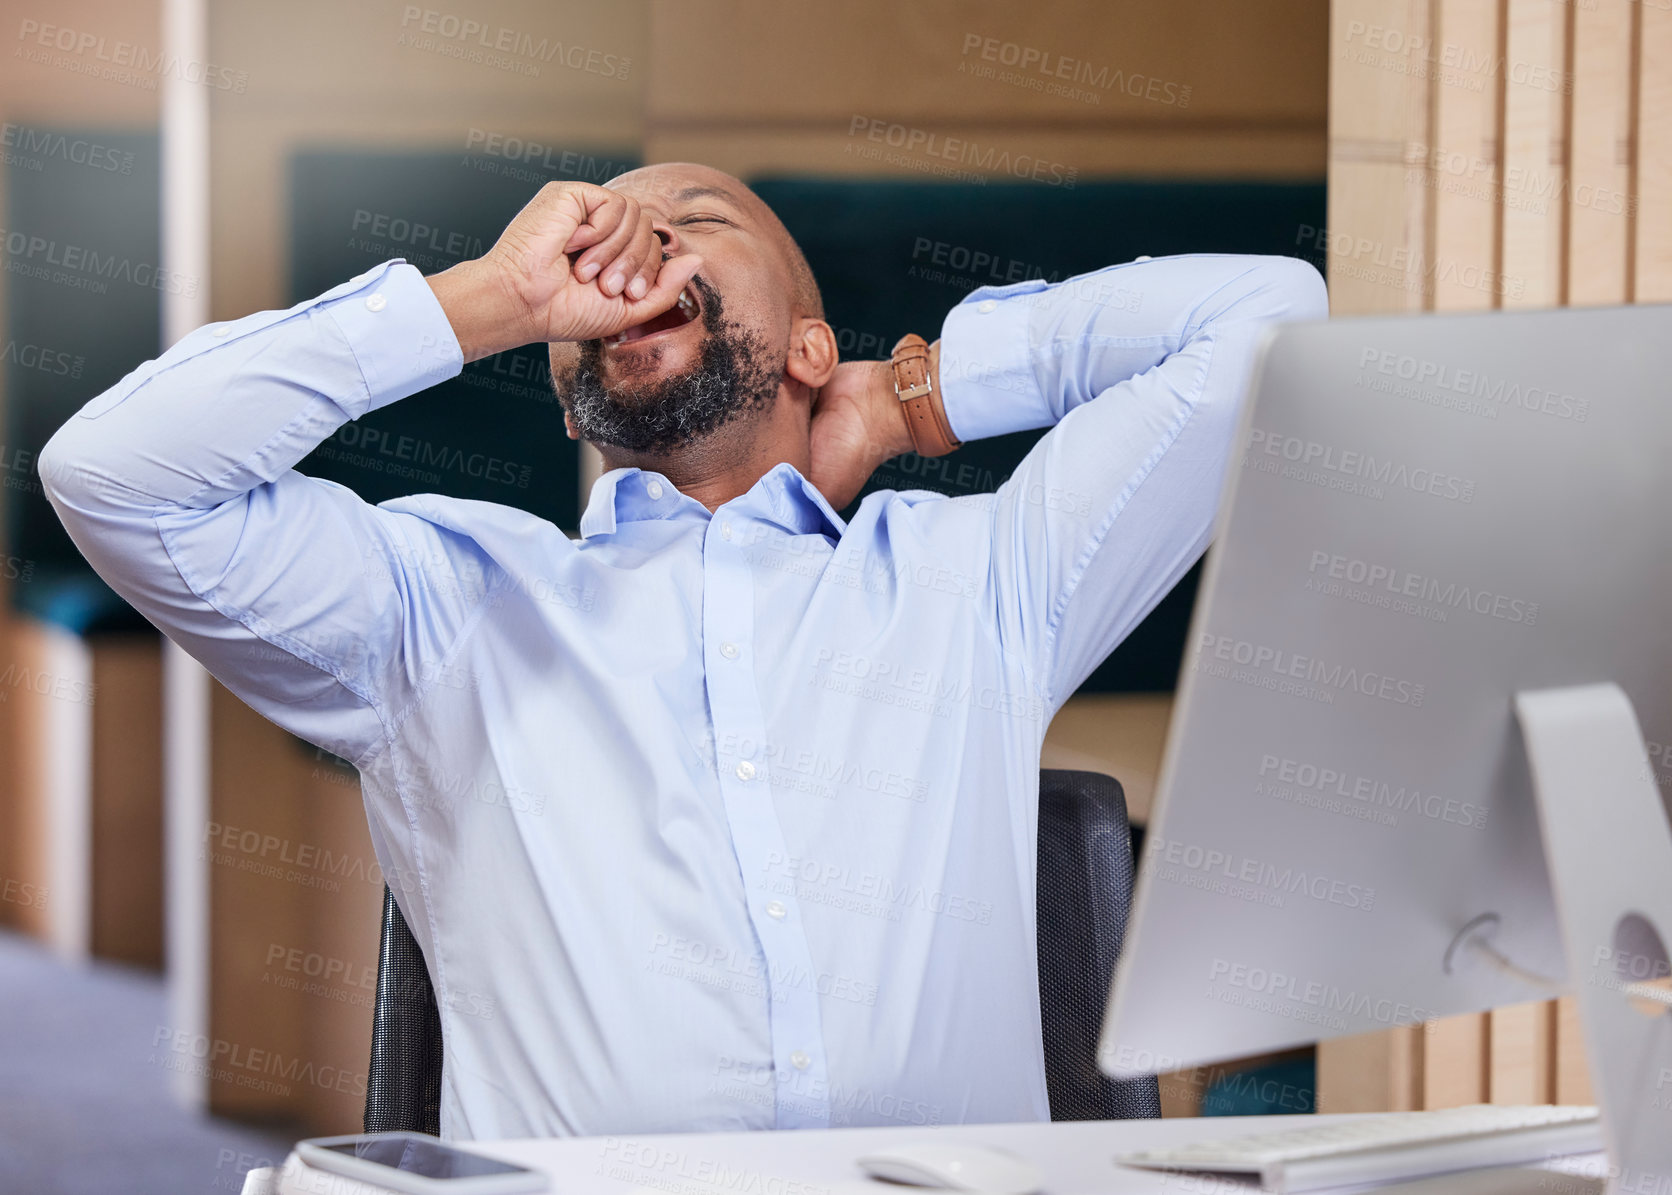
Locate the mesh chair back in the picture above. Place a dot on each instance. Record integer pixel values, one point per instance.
(403, 1086)
(1085, 892)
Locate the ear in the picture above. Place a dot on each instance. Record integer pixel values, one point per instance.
(569, 426)
(812, 357)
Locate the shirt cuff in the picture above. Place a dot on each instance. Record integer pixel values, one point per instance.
(397, 330)
(987, 379)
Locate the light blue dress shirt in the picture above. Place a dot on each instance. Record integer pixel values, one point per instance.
(704, 822)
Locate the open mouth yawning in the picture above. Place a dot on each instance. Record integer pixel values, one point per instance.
(683, 312)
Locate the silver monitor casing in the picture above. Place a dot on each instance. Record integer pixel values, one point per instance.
(1428, 515)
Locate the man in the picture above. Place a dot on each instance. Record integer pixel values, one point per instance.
(723, 815)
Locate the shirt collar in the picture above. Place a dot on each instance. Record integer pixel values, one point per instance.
(782, 496)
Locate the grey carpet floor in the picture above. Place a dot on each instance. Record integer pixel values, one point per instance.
(84, 1108)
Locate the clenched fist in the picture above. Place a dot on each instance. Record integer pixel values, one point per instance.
(579, 262)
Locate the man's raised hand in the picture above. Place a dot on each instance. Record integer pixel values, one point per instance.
(526, 288)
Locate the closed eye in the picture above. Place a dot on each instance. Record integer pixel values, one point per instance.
(704, 219)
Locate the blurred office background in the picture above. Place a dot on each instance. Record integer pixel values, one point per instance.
(188, 896)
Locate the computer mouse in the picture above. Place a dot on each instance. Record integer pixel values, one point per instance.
(955, 1166)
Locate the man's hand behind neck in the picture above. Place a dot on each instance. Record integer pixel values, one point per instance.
(858, 423)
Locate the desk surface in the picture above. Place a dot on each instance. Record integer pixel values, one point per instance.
(1076, 1157)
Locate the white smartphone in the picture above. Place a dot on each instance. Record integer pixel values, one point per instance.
(417, 1164)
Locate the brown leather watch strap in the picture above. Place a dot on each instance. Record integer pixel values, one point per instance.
(931, 433)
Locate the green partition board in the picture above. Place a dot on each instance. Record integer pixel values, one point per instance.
(893, 257)
(495, 432)
(84, 289)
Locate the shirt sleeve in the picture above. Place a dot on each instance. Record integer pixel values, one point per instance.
(1139, 370)
(319, 610)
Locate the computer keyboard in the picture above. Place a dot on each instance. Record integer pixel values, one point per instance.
(1385, 1148)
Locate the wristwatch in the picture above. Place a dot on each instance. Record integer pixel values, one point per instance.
(931, 433)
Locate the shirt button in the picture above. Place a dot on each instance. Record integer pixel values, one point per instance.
(725, 530)
(775, 909)
(745, 770)
(729, 650)
(987, 306)
(222, 330)
(800, 1061)
(376, 302)
(654, 489)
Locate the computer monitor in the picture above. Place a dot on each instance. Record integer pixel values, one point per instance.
(1426, 516)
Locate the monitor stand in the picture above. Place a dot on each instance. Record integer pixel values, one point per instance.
(1609, 851)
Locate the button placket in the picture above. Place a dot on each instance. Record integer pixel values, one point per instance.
(739, 728)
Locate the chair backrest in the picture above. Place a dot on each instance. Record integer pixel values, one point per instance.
(1085, 891)
(403, 1085)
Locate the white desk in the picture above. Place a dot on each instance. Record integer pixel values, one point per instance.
(1076, 1158)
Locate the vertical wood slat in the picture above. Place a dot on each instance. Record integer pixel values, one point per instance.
(1652, 189)
(1372, 1072)
(1600, 217)
(1382, 176)
(1456, 1052)
(1537, 105)
(1523, 1041)
(1573, 1075)
(1467, 194)
(1599, 151)
(1534, 152)
(1378, 115)
(1467, 200)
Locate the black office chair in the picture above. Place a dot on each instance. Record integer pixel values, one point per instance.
(1085, 890)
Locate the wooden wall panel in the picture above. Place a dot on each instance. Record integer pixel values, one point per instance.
(1523, 1062)
(1573, 1075)
(1212, 153)
(42, 90)
(127, 867)
(1118, 734)
(1600, 217)
(1652, 183)
(1569, 134)
(253, 797)
(1192, 88)
(1535, 152)
(1187, 63)
(1599, 151)
(1379, 179)
(28, 887)
(1466, 200)
(1461, 162)
(1457, 1054)
(1372, 1072)
(1381, 187)
(296, 901)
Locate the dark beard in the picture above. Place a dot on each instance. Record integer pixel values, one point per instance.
(732, 378)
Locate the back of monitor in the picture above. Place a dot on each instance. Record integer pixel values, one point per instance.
(1429, 515)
